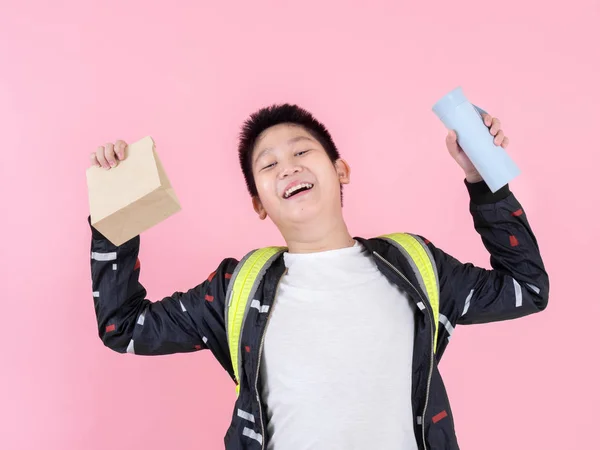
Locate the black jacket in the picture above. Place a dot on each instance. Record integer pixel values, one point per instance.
(194, 320)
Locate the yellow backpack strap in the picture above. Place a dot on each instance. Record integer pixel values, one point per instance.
(424, 267)
(242, 287)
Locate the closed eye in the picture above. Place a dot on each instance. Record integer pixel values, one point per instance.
(269, 166)
(301, 152)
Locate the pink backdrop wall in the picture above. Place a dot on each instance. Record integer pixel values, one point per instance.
(77, 74)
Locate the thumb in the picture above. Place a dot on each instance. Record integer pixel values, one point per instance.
(452, 143)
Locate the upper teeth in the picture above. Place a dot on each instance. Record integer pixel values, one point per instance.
(293, 189)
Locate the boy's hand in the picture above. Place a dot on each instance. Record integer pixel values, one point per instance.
(461, 157)
(109, 155)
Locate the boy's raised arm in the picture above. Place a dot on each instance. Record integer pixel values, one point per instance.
(128, 322)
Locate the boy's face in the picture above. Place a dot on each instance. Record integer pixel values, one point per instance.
(295, 179)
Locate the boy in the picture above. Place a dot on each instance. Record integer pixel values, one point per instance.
(348, 360)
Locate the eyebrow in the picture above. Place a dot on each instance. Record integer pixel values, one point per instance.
(289, 142)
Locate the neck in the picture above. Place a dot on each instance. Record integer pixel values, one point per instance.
(312, 238)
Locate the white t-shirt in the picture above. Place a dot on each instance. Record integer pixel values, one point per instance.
(337, 357)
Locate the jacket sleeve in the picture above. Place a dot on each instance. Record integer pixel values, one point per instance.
(130, 323)
(517, 284)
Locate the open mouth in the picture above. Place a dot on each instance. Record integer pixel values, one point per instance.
(303, 187)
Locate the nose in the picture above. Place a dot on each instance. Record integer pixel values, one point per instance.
(289, 169)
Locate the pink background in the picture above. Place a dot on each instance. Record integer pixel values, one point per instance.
(77, 74)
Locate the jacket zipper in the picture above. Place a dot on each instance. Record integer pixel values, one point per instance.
(427, 306)
(260, 349)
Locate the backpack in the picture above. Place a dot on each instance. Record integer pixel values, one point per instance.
(251, 269)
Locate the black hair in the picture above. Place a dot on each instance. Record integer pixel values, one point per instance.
(274, 115)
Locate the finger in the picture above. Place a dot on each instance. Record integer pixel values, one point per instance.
(505, 142)
(94, 161)
(109, 153)
(499, 137)
(495, 126)
(452, 143)
(451, 137)
(120, 149)
(101, 158)
(487, 119)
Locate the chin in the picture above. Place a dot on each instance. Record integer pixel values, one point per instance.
(303, 213)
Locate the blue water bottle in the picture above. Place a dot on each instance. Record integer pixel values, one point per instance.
(491, 161)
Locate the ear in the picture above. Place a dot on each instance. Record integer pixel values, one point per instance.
(343, 171)
(258, 207)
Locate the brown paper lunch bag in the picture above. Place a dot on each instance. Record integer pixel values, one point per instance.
(131, 197)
